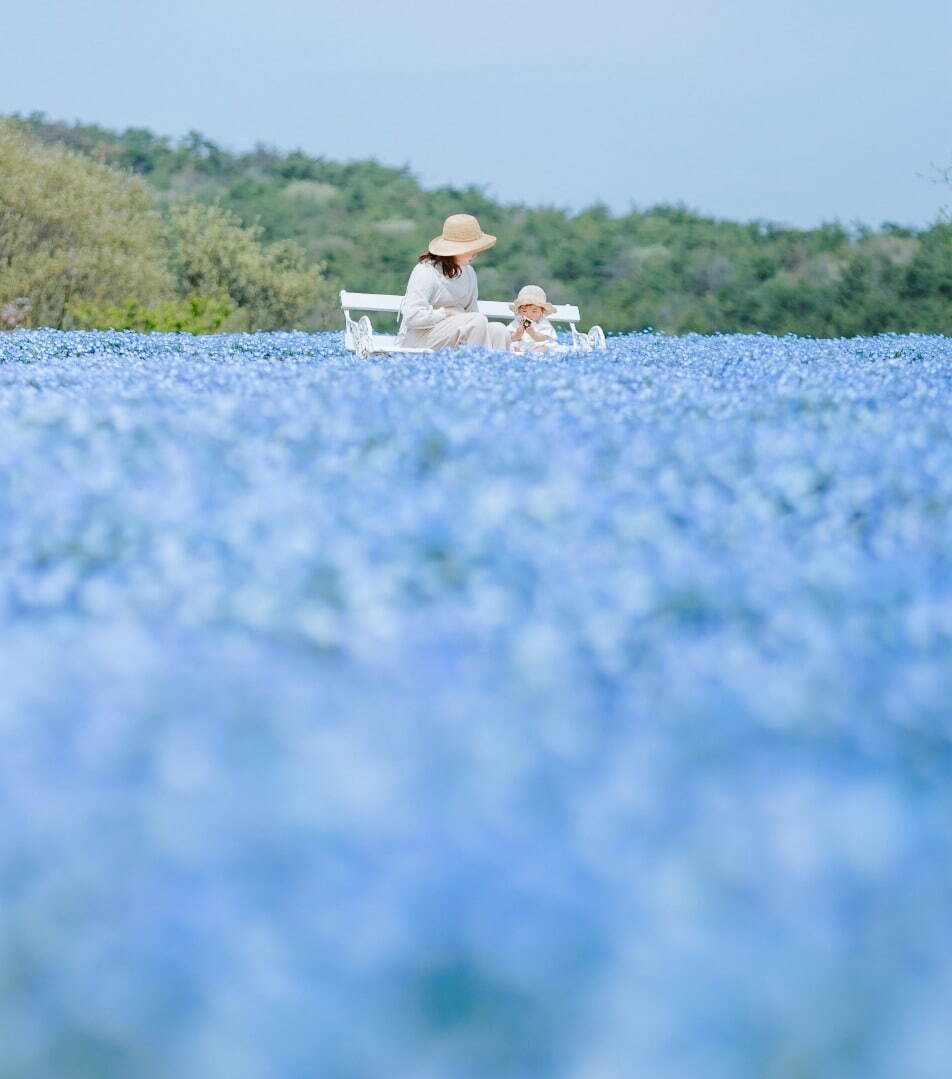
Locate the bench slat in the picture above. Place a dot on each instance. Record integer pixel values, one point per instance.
(369, 301)
(500, 309)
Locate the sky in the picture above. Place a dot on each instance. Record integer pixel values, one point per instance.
(799, 113)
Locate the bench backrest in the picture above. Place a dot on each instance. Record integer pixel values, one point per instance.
(368, 301)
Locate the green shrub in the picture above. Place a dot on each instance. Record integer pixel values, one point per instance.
(271, 286)
(195, 314)
(74, 231)
(86, 245)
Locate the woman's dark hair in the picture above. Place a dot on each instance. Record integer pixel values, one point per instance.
(446, 263)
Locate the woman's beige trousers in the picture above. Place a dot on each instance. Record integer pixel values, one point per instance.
(472, 330)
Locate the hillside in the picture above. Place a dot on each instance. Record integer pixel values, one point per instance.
(664, 267)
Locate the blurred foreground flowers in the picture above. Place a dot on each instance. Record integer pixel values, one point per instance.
(475, 715)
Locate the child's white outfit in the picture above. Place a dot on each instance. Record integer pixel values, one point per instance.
(527, 344)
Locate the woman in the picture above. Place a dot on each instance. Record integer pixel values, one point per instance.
(439, 308)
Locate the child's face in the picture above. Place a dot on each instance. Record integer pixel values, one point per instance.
(465, 260)
(531, 310)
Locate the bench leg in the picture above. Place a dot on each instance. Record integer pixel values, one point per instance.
(365, 337)
(358, 336)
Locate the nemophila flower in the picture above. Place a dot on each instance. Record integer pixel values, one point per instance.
(472, 714)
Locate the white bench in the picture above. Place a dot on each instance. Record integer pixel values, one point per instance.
(360, 337)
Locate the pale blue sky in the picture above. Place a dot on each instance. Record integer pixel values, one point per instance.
(797, 112)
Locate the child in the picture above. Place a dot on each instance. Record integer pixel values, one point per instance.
(531, 330)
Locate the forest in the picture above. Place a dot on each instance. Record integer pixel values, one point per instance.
(203, 238)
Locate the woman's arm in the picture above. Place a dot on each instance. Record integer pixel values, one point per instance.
(473, 306)
(417, 309)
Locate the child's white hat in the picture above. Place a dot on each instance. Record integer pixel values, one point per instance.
(531, 294)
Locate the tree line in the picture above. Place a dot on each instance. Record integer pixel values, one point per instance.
(187, 234)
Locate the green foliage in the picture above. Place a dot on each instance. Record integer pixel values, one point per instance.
(363, 224)
(73, 231)
(86, 244)
(271, 286)
(195, 314)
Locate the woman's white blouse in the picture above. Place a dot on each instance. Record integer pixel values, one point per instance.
(430, 292)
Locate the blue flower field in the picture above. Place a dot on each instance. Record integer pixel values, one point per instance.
(475, 716)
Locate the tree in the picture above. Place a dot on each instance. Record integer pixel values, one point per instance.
(212, 254)
(72, 231)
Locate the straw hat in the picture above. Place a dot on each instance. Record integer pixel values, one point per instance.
(531, 294)
(461, 235)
